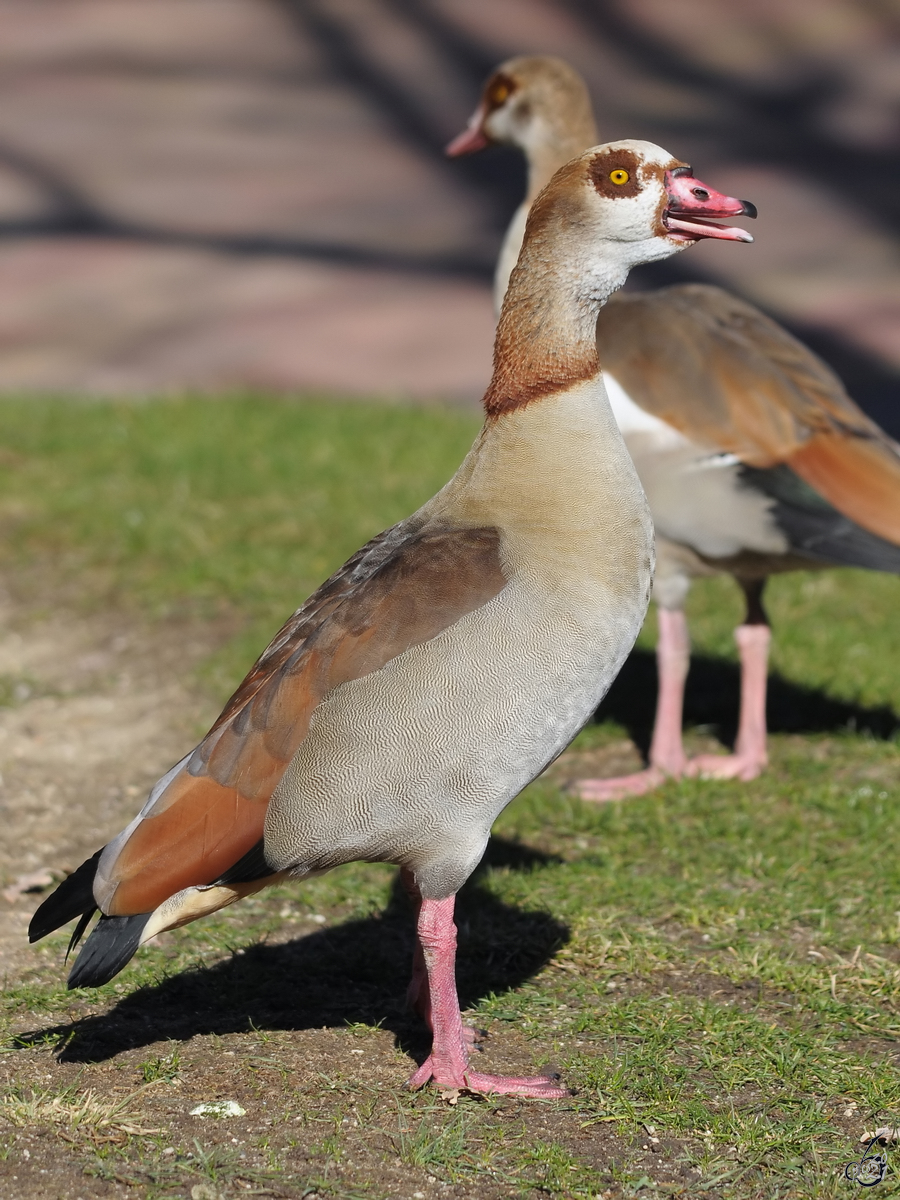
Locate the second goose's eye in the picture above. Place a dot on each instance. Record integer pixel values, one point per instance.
(619, 176)
(499, 91)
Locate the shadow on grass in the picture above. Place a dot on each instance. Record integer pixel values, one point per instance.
(356, 972)
(711, 700)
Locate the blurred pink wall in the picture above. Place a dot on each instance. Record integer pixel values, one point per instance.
(214, 194)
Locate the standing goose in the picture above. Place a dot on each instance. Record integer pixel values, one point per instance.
(447, 662)
(753, 457)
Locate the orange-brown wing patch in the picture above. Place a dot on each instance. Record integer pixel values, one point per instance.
(860, 477)
(216, 824)
(400, 591)
(724, 374)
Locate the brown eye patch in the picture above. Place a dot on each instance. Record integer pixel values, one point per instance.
(616, 173)
(498, 91)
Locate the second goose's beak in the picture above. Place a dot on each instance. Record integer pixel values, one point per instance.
(692, 205)
(472, 137)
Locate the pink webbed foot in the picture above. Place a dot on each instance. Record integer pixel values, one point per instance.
(448, 1063)
(750, 757)
(599, 791)
(726, 766)
(540, 1087)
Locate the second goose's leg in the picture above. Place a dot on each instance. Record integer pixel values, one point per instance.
(667, 758)
(750, 757)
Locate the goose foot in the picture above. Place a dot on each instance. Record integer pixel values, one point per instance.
(726, 766)
(448, 1063)
(599, 791)
(750, 758)
(541, 1087)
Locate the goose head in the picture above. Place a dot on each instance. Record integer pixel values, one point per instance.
(534, 102)
(610, 209)
(621, 204)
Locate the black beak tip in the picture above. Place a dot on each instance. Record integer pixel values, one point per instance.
(749, 209)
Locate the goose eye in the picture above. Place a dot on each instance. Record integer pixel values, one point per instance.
(619, 176)
(498, 93)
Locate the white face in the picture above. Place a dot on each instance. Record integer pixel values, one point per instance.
(625, 189)
(534, 104)
(514, 122)
(617, 206)
(638, 191)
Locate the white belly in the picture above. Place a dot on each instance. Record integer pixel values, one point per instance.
(695, 494)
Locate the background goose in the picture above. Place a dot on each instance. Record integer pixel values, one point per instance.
(753, 457)
(439, 671)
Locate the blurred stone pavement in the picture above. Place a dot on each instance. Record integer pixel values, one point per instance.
(221, 194)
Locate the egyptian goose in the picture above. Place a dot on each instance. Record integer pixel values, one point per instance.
(753, 457)
(447, 662)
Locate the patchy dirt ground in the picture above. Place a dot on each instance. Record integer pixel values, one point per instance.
(98, 708)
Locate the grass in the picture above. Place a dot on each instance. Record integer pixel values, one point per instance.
(239, 504)
(72, 1107)
(714, 968)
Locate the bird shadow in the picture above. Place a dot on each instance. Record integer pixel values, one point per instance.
(712, 697)
(346, 974)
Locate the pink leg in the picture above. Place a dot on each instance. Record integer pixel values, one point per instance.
(417, 997)
(448, 1063)
(667, 759)
(750, 757)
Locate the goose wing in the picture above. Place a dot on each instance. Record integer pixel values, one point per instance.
(207, 814)
(729, 378)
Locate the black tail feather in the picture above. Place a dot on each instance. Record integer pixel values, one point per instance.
(251, 867)
(111, 945)
(73, 898)
(816, 529)
(78, 932)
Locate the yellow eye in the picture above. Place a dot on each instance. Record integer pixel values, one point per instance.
(499, 92)
(619, 176)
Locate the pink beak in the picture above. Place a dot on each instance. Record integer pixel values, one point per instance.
(692, 204)
(472, 137)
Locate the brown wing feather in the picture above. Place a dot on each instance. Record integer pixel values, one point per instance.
(727, 377)
(724, 374)
(401, 590)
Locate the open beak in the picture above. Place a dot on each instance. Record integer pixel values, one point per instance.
(693, 205)
(472, 137)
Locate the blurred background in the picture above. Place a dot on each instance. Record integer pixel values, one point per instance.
(231, 194)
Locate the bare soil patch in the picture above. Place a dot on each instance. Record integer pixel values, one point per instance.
(97, 708)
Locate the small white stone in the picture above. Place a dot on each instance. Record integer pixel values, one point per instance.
(205, 1191)
(218, 1108)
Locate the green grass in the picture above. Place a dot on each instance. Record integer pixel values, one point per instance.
(724, 988)
(238, 504)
